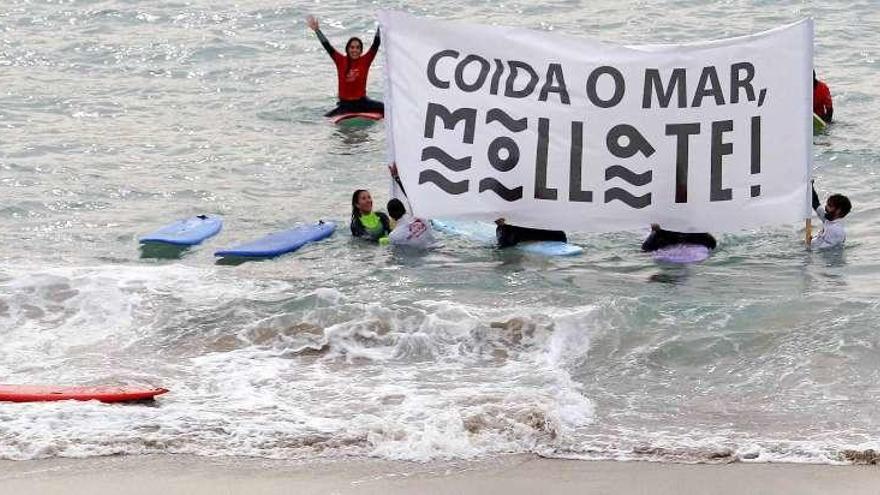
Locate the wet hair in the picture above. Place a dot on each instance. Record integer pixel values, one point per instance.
(352, 40)
(840, 203)
(395, 208)
(347, 58)
(355, 212)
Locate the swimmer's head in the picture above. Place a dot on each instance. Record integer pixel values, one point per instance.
(396, 209)
(354, 48)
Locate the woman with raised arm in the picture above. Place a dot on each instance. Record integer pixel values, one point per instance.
(352, 70)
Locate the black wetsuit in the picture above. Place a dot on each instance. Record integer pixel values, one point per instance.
(661, 238)
(359, 230)
(363, 105)
(511, 235)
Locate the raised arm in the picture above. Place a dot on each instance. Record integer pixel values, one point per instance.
(313, 24)
(375, 46)
(394, 175)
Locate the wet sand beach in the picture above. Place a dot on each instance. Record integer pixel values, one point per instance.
(512, 475)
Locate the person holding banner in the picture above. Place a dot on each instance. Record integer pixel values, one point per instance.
(822, 105)
(833, 233)
(352, 70)
(407, 230)
(365, 223)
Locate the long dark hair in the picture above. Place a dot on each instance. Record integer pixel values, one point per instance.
(347, 57)
(355, 212)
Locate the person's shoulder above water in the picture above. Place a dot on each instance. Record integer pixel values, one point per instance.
(365, 223)
(509, 235)
(660, 238)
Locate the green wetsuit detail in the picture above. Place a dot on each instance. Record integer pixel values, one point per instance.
(374, 226)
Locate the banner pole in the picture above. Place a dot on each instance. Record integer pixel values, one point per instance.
(808, 232)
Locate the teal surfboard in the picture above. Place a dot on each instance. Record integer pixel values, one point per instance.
(819, 125)
(484, 233)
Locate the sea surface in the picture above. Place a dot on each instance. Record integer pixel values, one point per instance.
(119, 116)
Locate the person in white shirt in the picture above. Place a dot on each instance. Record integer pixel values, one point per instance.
(408, 230)
(833, 233)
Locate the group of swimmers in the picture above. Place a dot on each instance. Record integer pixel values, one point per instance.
(400, 227)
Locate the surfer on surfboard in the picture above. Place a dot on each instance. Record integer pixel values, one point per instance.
(822, 105)
(352, 69)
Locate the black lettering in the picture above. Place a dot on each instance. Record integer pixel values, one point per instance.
(756, 152)
(481, 77)
(541, 189)
(554, 74)
(745, 83)
(494, 154)
(575, 193)
(515, 67)
(496, 77)
(636, 142)
(432, 68)
(708, 86)
(509, 123)
(678, 80)
(683, 132)
(450, 120)
(719, 149)
(619, 86)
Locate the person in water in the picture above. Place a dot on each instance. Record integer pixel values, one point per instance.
(833, 233)
(511, 235)
(407, 229)
(822, 100)
(352, 70)
(659, 238)
(366, 223)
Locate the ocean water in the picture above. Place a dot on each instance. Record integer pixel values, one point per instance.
(119, 116)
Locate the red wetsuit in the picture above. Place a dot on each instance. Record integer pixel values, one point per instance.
(822, 101)
(352, 78)
(352, 73)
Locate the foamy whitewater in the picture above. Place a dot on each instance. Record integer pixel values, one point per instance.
(118, 117)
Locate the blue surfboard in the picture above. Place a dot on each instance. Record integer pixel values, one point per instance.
(186, 232)
(280, 243)
(484, 233)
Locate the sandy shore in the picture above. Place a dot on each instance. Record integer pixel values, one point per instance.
(180, 474)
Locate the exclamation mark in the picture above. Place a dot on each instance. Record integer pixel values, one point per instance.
(756, 152)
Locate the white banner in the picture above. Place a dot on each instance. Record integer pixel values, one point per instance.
(557, 132)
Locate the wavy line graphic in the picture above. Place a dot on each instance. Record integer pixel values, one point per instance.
(512, 124)
(447, 160)
(628, 175)
(622, 195)
(490, 184)
(448, 186)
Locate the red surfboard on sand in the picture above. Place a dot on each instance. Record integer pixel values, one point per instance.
(40, 393)
(356, 115)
